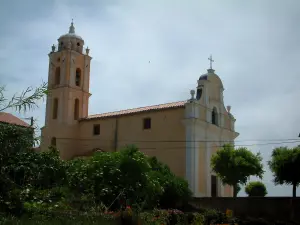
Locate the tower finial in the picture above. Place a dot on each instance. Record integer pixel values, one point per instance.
(72, 28)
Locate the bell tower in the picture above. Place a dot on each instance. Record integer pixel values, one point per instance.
(68, 88)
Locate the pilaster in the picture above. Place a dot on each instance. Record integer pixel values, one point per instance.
(208, 170)
(192, 112)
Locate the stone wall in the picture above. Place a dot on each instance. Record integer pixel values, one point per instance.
(275, 208)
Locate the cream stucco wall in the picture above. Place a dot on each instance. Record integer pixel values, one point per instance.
(166, 136)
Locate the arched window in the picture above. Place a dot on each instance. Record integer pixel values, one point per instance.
(199, 93)
(78, 77)
(76, 109)
(53, 141)
(214, 116)
(57, 76)
(55, 108)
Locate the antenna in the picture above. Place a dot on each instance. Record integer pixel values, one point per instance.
(31, 120)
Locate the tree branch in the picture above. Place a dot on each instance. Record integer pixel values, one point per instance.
(23, 101)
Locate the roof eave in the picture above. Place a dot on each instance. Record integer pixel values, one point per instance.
(129, 114)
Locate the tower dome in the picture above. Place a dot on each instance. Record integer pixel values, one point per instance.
(71, 41)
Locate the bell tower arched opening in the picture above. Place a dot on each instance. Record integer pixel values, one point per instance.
(78, 77)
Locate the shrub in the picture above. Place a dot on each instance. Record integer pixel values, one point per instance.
(176, 192)
(256, 188)
(43, 180)
(106, 177)
(39, 170)
(15, 138)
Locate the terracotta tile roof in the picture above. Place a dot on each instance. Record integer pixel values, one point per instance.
(179, 104)
(11, 119)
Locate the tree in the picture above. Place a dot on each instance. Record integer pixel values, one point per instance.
(285, 166)
(13, 141)
(235, 166)
(256, 188)
(25, 101)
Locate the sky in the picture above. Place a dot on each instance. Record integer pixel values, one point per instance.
(255, 45)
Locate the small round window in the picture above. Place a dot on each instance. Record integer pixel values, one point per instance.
(78, 44)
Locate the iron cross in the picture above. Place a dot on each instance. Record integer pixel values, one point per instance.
(211, 61)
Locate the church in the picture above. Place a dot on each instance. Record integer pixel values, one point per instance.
(182, 134)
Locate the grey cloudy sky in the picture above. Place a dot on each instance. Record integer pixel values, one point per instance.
(255, 45)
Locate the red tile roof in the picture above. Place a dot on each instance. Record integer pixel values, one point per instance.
(179, 104)
(11, 119)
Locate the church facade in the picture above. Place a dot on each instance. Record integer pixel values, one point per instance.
(182, 134)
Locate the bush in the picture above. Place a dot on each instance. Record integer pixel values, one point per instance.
(176, 192)
(105, 180)
(256, 188)
(107, 177)
(15, 138)
(39, 170)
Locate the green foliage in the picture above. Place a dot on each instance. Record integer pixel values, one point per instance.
(175, 189)
(15, 138)
(256, 188)
(108, 176)
(235, 166)
(285, 166)
(25, 173)
(34, 182)
(127, 175)
(38, 170)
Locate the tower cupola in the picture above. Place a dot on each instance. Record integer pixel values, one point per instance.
(71, 41)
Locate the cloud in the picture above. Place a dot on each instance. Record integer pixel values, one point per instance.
(254, 44)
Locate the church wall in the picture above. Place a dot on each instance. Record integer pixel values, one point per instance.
(104, 141)
(228, 191)
(202, 114)
(165, 139)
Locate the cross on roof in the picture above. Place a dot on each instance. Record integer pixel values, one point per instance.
(211, 61)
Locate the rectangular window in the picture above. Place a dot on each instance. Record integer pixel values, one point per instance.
(147, 123)
(96, 130)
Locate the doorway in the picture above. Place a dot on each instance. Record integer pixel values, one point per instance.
(214, 186)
